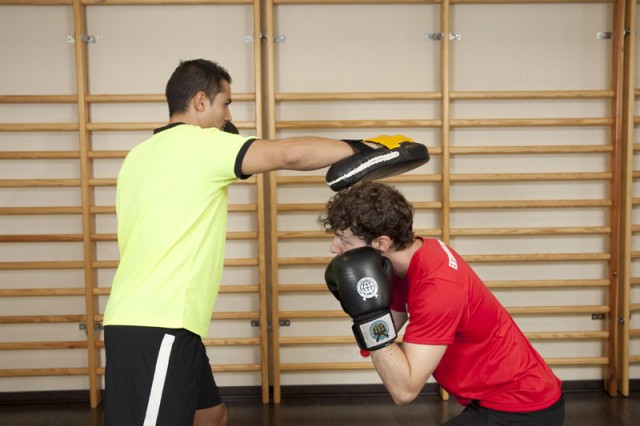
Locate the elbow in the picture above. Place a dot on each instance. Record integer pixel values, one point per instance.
(404, 398)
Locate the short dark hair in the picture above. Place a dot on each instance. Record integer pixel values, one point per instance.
(191, 77)
(370, 210)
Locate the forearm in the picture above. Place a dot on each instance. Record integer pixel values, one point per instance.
(394, 369)
(405, 369)
(312, 153)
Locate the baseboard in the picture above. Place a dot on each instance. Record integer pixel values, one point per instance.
(247, 393)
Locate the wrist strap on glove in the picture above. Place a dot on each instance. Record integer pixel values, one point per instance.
(375, 333)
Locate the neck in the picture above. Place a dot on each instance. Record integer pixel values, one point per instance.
(402, 258)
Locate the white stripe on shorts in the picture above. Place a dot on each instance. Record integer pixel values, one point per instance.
(159, 377)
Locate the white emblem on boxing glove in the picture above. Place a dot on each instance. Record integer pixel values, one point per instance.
(367, 288)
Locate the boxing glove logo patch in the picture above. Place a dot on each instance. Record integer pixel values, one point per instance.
(367, 288)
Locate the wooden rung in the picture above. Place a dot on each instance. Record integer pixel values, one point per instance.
(568, 335)
(534, 257)
(317, 340)
(38, 99)
(41, 238)
(530, 231)
(40, 210)
(405, 178)
(531, 122)
(44, 372)
(634, 307)
(356, 124)
(38, 127)
(548, 283)
(139, 126)
(524, 177)
(309, 314)
(634, 359)
(358, 96)
(102, 209)
(326, 366)
(235, 315)
(634, 332)
(302, 288)
(38, 183)
(38, 155)
(292, 235)
(541, 94)
(578, 361)
(43, 345)
(107, 154)
(41, 319)
(36, 292)
(537, 149)
(151, 98)
(229, 341)
(560, 310)
(502, 204)
(71, 264)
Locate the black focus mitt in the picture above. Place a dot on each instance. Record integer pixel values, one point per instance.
(397, 154)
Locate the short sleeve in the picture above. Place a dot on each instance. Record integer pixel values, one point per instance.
(435, 308)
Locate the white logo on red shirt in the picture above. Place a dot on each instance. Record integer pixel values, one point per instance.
(452, 260)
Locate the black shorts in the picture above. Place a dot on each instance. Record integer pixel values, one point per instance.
(156, 376)
(475, 415)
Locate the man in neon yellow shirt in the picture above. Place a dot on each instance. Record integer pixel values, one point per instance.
(171, 206)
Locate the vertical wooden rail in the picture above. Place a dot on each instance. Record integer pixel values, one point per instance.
(273, 207)
(88, 222)
(445, 158)
(627, 198)
(617, 85)
(264, 338)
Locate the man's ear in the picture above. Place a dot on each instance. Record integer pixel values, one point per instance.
(383, 244)
(199, 101)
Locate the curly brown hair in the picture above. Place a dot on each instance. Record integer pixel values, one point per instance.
(369, 210)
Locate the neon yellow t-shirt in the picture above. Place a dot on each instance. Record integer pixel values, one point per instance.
(171, 205)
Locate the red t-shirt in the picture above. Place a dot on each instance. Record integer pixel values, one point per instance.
(487, 358)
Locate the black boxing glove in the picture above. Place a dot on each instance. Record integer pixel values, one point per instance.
(362, 279)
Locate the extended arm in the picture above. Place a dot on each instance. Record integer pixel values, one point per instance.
(404, 370)
(300, 153)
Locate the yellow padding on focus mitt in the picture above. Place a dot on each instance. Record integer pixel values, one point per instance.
(390, 142)
(396, 154)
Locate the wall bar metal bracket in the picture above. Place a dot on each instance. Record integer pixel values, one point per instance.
(440, 36)
(86, 38)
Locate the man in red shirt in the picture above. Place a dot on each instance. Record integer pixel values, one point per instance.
(457, 330)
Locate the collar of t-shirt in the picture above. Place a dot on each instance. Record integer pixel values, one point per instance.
(167, 127)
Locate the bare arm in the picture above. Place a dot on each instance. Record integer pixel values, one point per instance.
(300, 153)
(404, 370)
(399, 319)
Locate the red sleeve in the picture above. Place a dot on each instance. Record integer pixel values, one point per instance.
(435, 308)
(399, 294)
